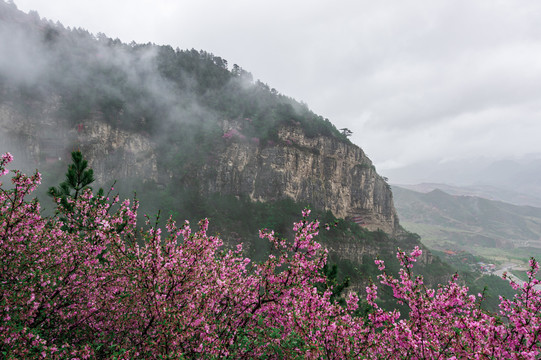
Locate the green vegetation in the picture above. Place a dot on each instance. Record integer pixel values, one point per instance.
(182, 99)
(78, 179)
(489, 229)
(522, 275)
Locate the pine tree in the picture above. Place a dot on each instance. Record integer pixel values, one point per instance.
(78, 177)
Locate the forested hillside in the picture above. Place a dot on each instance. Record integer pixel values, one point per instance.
(292, 248)
(190, 133)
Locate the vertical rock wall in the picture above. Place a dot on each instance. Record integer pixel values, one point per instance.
(38, 136)
(323, 172)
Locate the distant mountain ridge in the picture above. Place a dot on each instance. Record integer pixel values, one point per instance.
(470, 223)
(516, 181)
(489, 192)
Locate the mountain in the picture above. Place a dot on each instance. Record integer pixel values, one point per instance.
(194, 137)
(515, 181)
(177, 118)
(470, 223)
(489, 192)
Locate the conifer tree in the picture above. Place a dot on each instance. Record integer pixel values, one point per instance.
(78, 178)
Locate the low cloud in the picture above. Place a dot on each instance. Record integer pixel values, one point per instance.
(413, 80)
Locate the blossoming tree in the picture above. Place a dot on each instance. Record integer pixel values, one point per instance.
(88, 283)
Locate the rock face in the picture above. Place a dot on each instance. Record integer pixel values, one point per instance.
(322, 172)
(121, 154)
(40, 136)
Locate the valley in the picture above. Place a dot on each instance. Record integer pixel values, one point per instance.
(492, 230)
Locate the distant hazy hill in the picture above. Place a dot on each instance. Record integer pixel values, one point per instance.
(490, 192)
(470, 223)
(516, 181)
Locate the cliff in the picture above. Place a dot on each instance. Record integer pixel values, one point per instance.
(155, 114)
(40, 136)
(322, 171)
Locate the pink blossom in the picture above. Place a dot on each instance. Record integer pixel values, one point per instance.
(80, 286)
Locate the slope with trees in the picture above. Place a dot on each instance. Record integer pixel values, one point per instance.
(87, 283)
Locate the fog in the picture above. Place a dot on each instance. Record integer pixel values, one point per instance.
(418, 82)
(424, 86)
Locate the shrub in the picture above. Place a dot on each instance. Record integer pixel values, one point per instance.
(86, 283)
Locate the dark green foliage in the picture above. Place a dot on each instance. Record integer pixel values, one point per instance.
(337, 287)
(491, 286)
(238, 219)
(78, 178)
(150, 88)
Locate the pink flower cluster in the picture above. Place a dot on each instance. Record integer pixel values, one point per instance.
(90, 284)
(233, 133)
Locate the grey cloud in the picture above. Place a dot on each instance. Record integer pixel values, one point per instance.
(23, 57)
(414, 80)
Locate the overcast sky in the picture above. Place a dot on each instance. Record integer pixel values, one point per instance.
(414, 80)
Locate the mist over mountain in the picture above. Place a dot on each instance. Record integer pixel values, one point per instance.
(516, 181)
(71, 78)
(194, 136)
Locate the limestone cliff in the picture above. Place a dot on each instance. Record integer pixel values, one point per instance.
(39, 135)
(121, 154)
(323, 172)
